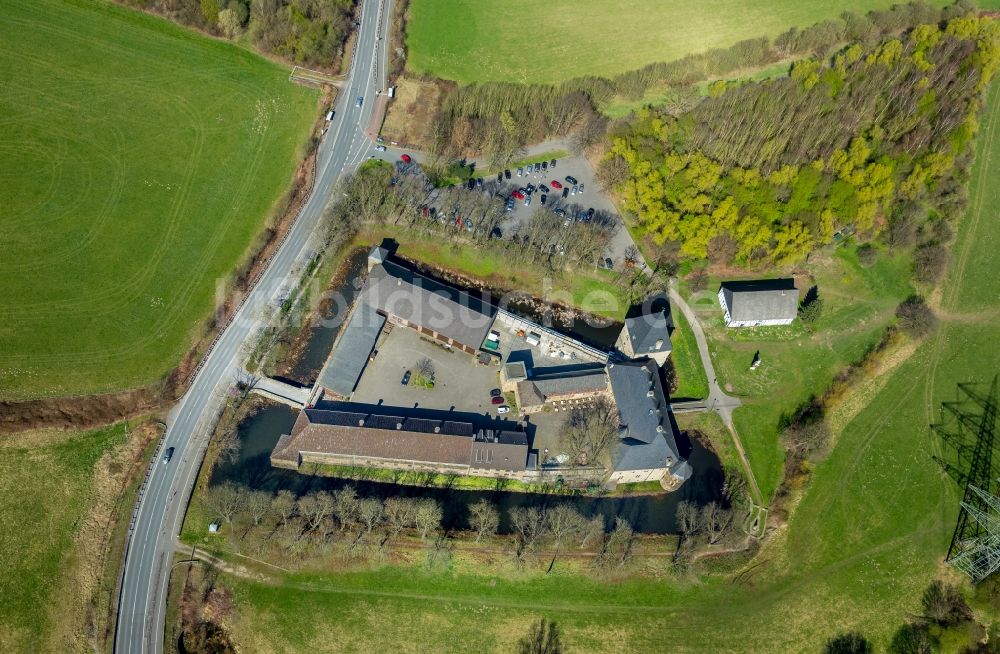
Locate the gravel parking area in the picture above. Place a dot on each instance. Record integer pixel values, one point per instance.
(461, 384)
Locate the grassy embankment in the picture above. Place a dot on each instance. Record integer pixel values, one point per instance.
(64, 508)
(867, 537)
(590, 290)
(140, 161)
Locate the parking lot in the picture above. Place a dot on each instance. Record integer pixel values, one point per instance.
(460, 384)
(576, 206)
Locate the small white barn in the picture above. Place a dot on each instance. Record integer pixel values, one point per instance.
(759, 303)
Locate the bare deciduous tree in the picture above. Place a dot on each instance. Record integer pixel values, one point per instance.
(345, 506)
(370, 512)
(484, 518)
(563, 522)
(618, 544)
(283, 505)
(687, 519)
(258, 505)
(589, 432)
(226, 500)
(715, 521)
(528, 527)
(428, 516)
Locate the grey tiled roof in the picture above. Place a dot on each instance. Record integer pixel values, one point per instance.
(765, 299)
(647, 435)
(350, 356)
(399, 291)
(565, 384)
(646, 330)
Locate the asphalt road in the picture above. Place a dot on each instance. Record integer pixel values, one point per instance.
(149, 554)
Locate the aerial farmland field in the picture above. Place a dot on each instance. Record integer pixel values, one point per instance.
(138, 162)
(523, 41)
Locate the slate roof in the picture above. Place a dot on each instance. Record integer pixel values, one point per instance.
(765, 299)
(647, 433)
(529, 395)
(343, 432)
(399, 291)
(646, 330)
(350, 356)
(567, 384)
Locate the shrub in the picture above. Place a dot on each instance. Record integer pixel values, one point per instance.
(915, 318)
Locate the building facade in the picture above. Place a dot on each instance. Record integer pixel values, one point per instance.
(759, 303)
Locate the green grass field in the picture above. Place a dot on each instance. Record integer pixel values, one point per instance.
(523, 41)
(865, 540)
(46, 492)
(139, 161)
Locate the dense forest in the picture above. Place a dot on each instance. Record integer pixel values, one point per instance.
(875, 139)
(310, 32)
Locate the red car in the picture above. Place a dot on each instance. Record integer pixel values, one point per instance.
(556, 184)
(498, 400)
(518, 195)
(406, 158)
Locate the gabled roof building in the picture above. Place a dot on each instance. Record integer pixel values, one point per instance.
(759, 303)
(646, 335)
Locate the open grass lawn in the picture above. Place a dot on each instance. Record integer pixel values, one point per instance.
(138, 162)
(691, 380)
(47, 535)
(524, 41)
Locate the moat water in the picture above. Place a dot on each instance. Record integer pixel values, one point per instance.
(651, 514)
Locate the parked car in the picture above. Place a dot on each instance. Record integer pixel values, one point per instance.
(608, 263)
(560, 212)
(497, 400)
(359, 102)
(573, 192)
(479, 182)
(527, 201)
(469, 225)
(552, 164)
(496, 392)
(565, 192)
(517, 194)
(545, 165)
(581, 187)
(471, 184)
(590, 213)
(379, 148)
(543, 198)
(167, 455)
(380, 139)
(538, 167)
(503, 409)
(556, 184)
(520, 171)
(406, 378)
(543, 188)
(510, 204)
(571, 179)
(567, 222)
(506, 173)
(406, 158)
(496, 233)
(531, 188)
(499, 177)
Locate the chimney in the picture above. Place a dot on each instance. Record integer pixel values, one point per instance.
(399, 282)
(659, 343)
(399, 425)
(361, 423)
(659, 428)
(650, 393)
(437, 429)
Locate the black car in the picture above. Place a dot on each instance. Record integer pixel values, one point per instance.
(590, 213)
(565, 192)
(545, 165)
(406, 378)
(543, 188)
(510, 204)
(471, 183)
(499, 177)
(530, 188)
(538, 167)
(544, 198)
(552, 164)
(169, 454)
(506, 173)
(571, 179)
(496, 233)
(479, 182)
(496, 392)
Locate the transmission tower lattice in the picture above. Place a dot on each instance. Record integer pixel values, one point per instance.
(968, 426)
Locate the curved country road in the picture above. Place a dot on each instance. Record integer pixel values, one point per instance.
(160, 510)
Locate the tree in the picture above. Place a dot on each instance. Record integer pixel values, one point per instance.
(722, 249)
(226, 500)
(258, 505)
(589, 432)
(563, 521)
(944, 604)
(911, 639)
(915, 317)
(618, 544)
(484, 518)
(400, 513)
(314, 508)
(928, 262)
(806, 439)
(428, 516)
(687, 519)
(849, 643)
(697, 280)
(370, 512)
(811, 308)
(715, 521)
(283, 505)
(346, 506)
(230, 23)
(542, 638)
(527, 524)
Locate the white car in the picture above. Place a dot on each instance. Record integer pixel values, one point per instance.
(503, 409)
(379, 148)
